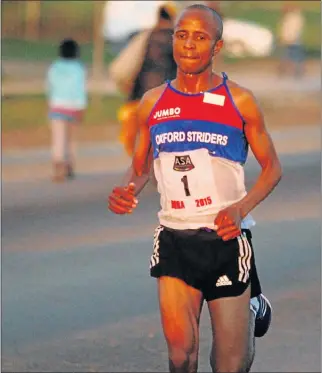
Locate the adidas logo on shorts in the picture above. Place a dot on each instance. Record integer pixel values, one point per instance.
(223, 281)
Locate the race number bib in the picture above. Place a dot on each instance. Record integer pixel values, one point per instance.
(188, 181)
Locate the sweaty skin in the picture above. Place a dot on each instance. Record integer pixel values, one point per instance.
(228, 220)
(196, 41)
(193, 44)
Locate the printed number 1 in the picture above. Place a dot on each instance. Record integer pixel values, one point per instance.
(185, 184)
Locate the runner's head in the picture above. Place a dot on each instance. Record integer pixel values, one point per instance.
(197, 38)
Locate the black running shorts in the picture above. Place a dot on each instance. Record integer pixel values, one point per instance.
(204, 261)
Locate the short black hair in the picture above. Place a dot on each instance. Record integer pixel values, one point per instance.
(216, 16)
(69, 49)
(164, 14)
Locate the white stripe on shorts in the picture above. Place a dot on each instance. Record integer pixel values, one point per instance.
(250, 253)
(245, 254)
(155, 256)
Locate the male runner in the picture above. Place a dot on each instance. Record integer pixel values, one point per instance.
(196, 129)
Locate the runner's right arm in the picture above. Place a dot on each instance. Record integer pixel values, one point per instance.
(122, 199)
(142, 158)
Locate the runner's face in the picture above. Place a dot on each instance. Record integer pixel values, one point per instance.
(194, 41)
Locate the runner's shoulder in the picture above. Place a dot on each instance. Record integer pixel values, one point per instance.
(152, 95)
(149, 99)
(238, 90)
(243, 97)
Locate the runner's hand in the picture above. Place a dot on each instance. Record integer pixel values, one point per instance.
(227, 223)
(122, 199)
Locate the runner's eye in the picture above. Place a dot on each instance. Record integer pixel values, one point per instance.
(180, 35)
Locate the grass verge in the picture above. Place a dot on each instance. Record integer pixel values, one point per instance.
(28, 113)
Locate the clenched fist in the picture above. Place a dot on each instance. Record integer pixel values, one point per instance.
(122, 199)
(227, 223)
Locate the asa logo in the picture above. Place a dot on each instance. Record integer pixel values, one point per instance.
(183, 163)
(167, 113)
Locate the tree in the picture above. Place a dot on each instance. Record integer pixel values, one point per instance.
(32, 19)
(99, 42)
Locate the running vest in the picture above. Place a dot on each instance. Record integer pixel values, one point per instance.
(199, 148)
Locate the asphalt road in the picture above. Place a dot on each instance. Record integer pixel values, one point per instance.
(76, 292)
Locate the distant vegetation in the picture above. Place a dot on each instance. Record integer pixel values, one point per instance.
(59, 19)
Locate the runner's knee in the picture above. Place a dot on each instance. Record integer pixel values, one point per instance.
(183, 352)
(181, 360)
(233, 360)
(232, 363)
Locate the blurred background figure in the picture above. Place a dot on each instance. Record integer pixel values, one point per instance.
(157, 65)
(67, 99)
(290, 36)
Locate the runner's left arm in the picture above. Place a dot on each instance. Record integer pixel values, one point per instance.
(264, 151)
(228, 220)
